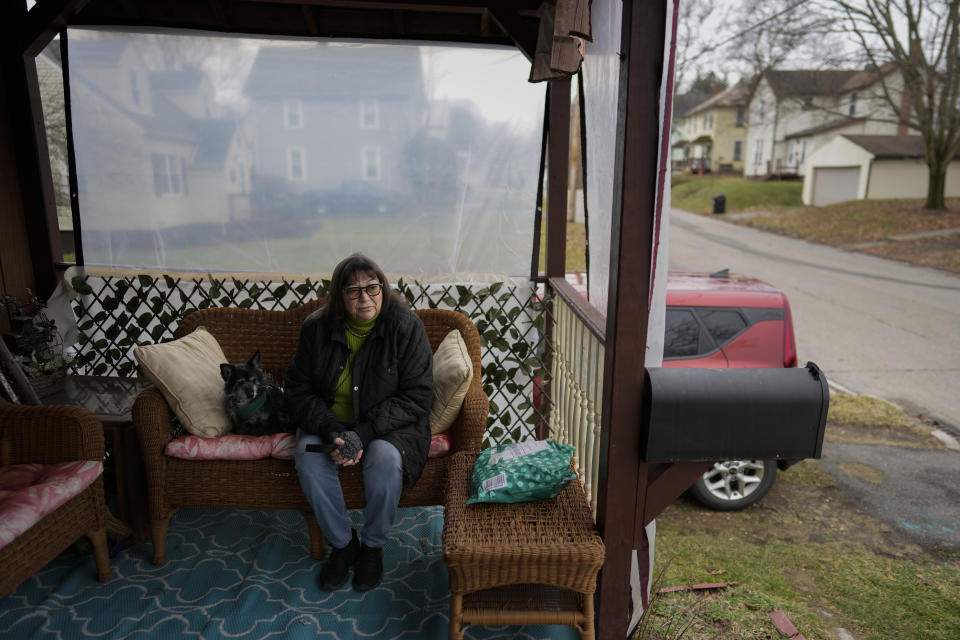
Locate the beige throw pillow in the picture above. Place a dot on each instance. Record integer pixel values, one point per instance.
(187, 372)
(452, 373)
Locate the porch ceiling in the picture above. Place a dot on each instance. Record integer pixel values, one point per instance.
(466, 20)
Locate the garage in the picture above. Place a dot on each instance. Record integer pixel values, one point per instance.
(835, 184)
(855, 167)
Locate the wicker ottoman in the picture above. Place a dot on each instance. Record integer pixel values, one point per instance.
(524, 563)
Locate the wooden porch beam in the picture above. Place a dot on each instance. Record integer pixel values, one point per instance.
(463, 6)
(33, 203)
(310, 20)
(622, 473)
(665, 485)
(522, 33)
(44, 21)
(557, 177)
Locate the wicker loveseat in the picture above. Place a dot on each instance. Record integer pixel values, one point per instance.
(271, 483)
(43, 450)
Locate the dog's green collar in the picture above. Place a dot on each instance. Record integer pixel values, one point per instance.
(252, 407)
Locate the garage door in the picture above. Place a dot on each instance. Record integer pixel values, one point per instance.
(835, 184)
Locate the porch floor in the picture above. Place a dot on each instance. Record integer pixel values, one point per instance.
(246, 575)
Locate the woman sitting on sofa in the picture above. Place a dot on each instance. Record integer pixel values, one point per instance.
(359, 389)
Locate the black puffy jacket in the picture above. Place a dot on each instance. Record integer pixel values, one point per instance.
(392, 382)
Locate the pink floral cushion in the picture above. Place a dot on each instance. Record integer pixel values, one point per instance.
(439, 445)
(28, 492)
(277, 445)
(233, 447)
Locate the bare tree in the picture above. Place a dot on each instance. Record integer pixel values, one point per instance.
(921, 38)
(770, 34)
(696, 40)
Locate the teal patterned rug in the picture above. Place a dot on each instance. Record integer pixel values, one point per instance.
(246, 575)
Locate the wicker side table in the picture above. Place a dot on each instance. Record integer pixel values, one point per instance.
(524, 563)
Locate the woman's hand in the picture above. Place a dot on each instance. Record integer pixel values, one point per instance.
(339, 459)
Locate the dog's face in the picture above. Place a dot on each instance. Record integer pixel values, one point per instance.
(243, 382)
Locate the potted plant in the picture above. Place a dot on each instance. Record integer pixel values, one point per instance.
(35, 343)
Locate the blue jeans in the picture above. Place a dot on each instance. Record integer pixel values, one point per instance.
(382, 481)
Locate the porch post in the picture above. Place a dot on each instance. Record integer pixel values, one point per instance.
(623, 476)
(27, 193)
(557, 177)
(558, 150)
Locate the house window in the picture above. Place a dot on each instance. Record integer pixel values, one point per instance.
(852, 109)
(758, 151)
(803, 151)
(292, 114)
(371, 163)
(296, 164)
(760, 111)
(134, 88)
(369, 114)
(169, 175)
(740, 117)
(791, 149)
(737, 150)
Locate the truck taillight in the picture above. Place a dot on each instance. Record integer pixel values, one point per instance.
(789, 342)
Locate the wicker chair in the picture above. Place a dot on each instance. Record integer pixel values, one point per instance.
(174, 484)
(48, 435)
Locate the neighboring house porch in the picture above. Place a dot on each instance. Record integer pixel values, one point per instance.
(714, 131)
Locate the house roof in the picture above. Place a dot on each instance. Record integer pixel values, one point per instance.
(105, 52)
(808, 81)
(829, 126)
(213, 144)
(187, 80)
(892, 146)
(210, 137)
(821, 82)
(684, 103)
(866, 77)
(334, 72)
(735, 96)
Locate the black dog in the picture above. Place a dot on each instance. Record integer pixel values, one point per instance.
(254, 405)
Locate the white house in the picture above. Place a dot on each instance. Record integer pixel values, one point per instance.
(793, 113)
(856, 167)
(150, 131)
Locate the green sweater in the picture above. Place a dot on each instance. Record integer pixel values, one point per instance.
(343, 398)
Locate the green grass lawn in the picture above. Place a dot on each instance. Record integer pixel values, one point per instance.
(776, 207)
(859, 220)
(695, 193)
(403, 244)
(805, 549)
(874, 597)
(576, 247)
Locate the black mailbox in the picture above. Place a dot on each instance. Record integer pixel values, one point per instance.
(728, 414)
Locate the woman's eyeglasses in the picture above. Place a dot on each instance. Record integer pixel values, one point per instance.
(354, 293)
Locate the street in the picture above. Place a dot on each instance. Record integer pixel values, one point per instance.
(875, 326)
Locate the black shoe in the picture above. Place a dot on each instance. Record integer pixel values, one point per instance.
(369, 568)
(335, 571)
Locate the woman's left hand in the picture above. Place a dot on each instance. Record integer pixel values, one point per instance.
(339, 459)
